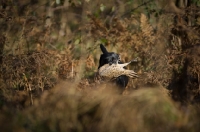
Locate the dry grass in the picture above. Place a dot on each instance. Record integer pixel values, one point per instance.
(62, 109)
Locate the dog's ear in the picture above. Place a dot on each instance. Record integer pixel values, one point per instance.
(103, 49)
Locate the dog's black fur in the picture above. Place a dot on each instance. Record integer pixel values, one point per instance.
(110, 58)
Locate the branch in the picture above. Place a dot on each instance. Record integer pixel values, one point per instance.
(137, 7)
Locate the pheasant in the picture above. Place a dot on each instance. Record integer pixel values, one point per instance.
(115, 70)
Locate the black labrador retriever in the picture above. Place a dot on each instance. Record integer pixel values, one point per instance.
(110, 58)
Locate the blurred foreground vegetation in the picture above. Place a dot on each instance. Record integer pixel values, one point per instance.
(49, 53)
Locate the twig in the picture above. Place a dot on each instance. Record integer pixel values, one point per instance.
(199, 81)
(136, 8)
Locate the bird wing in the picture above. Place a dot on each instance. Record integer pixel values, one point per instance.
(115, 70)
(130, 73)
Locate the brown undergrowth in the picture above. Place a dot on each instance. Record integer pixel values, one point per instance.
(66, 109)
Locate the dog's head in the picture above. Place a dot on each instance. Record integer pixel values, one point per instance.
(108, 57)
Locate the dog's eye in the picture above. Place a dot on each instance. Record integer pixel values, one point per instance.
(113, 58)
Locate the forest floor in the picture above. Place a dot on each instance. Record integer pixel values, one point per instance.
(49, 80)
